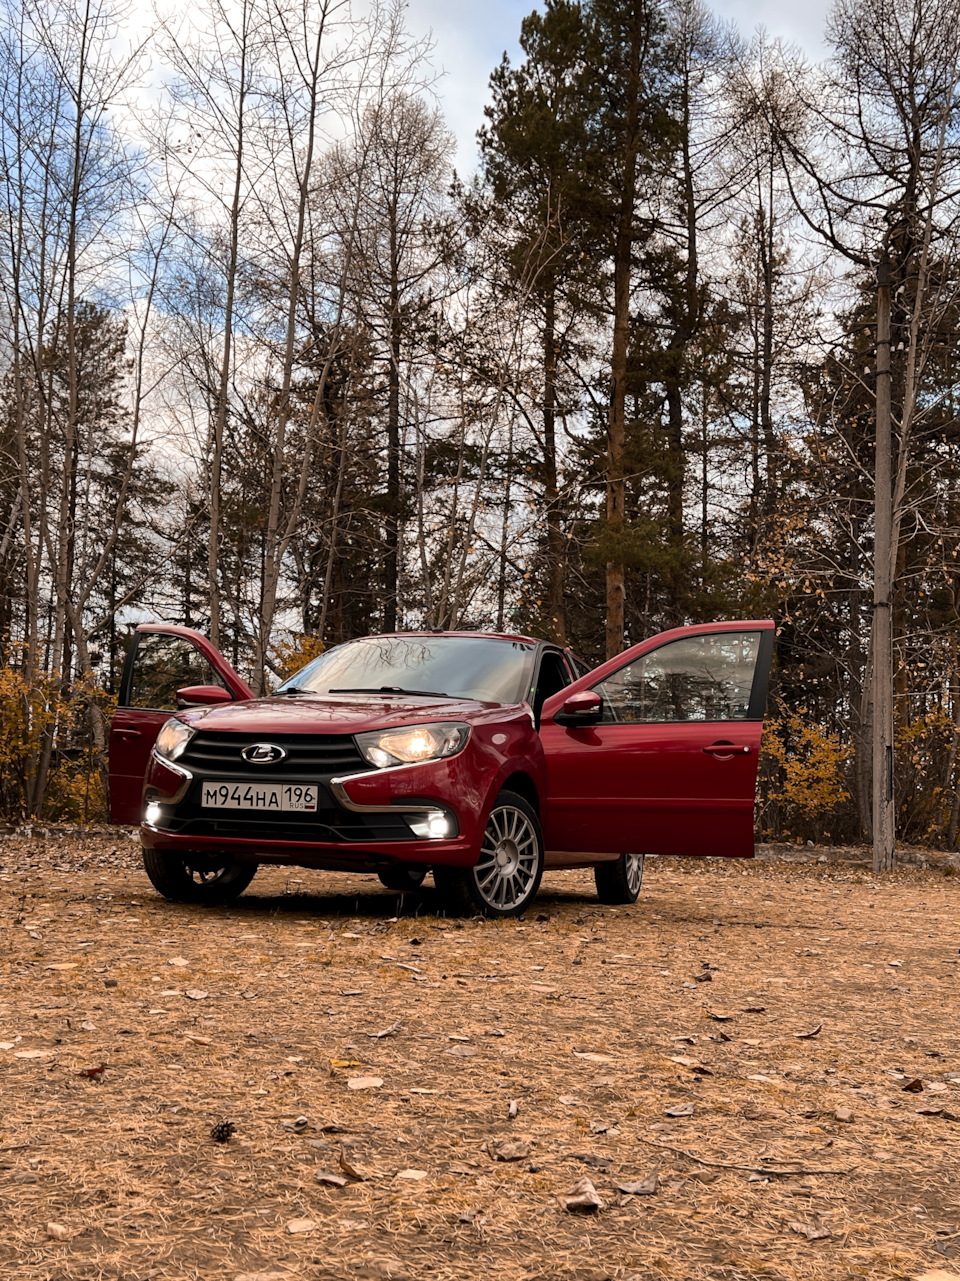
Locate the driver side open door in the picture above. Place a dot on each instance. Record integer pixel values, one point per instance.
(658, 754)
(162, 659)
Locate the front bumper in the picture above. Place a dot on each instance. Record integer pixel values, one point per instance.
(363, 820)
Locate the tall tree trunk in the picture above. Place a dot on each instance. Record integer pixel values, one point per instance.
(884, 817)
(555, 550)
(223, 385)
(616, 421)
(392, 531)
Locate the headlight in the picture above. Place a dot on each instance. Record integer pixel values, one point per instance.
(413, 744)
(172, 739)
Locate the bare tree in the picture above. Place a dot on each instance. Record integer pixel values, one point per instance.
(875, 141)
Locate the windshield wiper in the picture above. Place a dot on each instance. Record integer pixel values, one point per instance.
(292, 689)
(391, 689)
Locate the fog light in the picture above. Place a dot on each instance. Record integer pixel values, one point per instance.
(437, 825)
(153, 813)
(433, 826)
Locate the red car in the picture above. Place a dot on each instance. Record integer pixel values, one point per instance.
(485, 759)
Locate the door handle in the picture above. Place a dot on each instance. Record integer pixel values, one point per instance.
(727, 749)
(129, 733)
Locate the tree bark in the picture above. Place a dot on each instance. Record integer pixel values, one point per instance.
(616, 421)
(884, 817)
(555, 550)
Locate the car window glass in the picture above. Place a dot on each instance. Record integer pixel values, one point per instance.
(164, 664)
(577, 665)
(698, 678)
(485, 668)
(552, 678)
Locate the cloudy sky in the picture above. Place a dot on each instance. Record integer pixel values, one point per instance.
(471, 36)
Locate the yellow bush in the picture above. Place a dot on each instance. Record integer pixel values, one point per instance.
(806, 770)
(29, 717)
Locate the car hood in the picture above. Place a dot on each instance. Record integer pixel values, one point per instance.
(331, 713)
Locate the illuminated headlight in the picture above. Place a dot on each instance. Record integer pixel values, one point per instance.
(172, 739)
(152, 814)
(413, 744)
(433, 826)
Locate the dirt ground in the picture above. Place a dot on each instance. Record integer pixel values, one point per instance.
(803, 1015)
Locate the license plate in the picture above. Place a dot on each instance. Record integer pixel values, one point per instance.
(280, 797)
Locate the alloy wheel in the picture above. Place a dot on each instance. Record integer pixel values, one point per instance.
(633, 867)
(506, 872)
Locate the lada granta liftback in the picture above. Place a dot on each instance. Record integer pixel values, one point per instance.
(484, 759)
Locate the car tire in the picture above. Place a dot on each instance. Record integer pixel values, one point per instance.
(197, 880)
(506, 877)
(402, 879)
(620, 880)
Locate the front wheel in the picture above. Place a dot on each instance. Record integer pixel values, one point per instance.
(507, 875)
(194, 879)
(619, 881)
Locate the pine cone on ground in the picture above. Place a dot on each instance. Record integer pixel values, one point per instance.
(220, 1133)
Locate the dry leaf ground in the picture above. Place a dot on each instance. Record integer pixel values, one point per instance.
(572, 1012)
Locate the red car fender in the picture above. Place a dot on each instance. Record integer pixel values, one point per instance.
(503, 745)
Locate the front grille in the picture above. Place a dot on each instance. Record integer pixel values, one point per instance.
(307, 754)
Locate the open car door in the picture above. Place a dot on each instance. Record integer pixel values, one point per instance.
(162, 659)
(655, 752)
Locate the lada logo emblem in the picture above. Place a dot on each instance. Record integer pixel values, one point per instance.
(263, 753)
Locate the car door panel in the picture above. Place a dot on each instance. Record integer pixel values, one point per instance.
(161, 659)
(664, 786)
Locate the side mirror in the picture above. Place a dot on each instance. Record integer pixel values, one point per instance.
(202, 696)
(584, 708)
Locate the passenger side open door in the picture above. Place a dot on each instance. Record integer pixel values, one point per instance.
(655, 752)
(162, 659)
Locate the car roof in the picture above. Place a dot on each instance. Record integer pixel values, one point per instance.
(504, 636)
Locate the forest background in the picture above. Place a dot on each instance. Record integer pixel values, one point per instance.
(271, 369)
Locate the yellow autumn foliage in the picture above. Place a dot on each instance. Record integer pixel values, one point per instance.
(808, 778)
(291, 654)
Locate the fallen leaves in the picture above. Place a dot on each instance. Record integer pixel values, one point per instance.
(643, 1187)
(330, 1179)
(913, 1087)
(507, 1149)
(808, 1036)
(589, 1057)
(264, 1276)
(196, 994)
(415, 1176)
(582, 1198)
(680, 1109)
(57, 1232)
(812, 1229)
(297, 1226)
(364, 1082)
(385, 1031)
(692, 1065)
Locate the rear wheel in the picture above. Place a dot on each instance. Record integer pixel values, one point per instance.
(402, 878)
(619, 881)
(195, 879)
(507, 875)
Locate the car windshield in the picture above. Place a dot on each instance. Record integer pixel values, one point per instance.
(480, 667)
